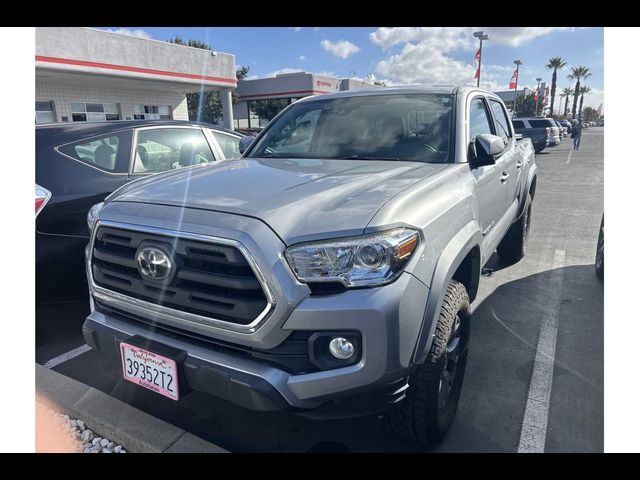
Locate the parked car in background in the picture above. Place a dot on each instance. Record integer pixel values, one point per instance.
(562, 128)
(330, 270)
(79, 164)
(567, 125)
(539, 132)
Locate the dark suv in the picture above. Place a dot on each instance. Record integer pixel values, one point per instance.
(79, 164)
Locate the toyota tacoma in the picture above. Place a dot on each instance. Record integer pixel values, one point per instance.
(330, 270)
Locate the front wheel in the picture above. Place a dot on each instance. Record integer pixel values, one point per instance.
(434, 386)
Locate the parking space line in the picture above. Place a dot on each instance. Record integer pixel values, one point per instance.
(570, 155)
(534, 424)
(67, 356)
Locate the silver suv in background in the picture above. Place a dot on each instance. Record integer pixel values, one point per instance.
(542, 122)
(330, 270)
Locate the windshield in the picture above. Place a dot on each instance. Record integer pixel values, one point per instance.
(414, 127)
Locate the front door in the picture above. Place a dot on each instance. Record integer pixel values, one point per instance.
(491, 191)
(162, 148)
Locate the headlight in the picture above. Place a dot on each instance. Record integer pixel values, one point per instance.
(92, 216)
(369, 260)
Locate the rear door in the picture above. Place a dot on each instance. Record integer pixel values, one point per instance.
(161, 148)
(491, 192)
(80, 174)
(511, 158)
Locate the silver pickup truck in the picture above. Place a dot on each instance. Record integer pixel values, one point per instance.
(330, 270)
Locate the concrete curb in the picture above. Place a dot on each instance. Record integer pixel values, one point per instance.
(136, 430)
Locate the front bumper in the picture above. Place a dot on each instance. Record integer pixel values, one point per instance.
(388, 319)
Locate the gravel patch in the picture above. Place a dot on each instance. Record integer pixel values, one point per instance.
(87, 440)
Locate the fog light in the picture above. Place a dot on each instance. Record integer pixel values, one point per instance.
(341, 348)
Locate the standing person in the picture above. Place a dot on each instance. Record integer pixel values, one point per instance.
(576, 134)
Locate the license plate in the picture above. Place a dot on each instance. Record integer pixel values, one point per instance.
(150, 370)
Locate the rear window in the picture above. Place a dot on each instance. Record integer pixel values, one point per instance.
(542, 123)
(518, 124)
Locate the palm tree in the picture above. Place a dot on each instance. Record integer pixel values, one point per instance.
(584, 89)
(554, 64)
(567, 92)
(577, 74)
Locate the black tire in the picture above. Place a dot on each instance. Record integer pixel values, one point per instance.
(513, 246)
(599, 264)
(538, 150)
(427, 412)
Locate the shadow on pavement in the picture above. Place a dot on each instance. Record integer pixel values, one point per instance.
(504, 336)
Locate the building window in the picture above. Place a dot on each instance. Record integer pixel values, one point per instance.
(45, 112)
(152, 112)
(94, 112)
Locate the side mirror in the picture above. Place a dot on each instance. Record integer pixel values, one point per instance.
(518, 136)
(485, 148)
(245, 142)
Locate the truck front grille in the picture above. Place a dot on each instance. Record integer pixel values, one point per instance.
(207, 279)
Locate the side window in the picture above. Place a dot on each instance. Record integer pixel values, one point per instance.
(479, 121)
(501, 121)
(518, 124)
(161, 149)
(229, 144)
(99, 152)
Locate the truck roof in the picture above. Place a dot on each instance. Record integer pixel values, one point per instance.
(399, 90)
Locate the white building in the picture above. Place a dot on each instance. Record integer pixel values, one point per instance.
(288, 86)
(85, 75)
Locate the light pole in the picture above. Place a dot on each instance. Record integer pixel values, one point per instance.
(482, 37)
(538, 99)
(515, 95)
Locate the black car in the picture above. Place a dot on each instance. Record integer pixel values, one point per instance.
(79, 164)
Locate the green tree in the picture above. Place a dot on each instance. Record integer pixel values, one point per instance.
(525, 106)
(584, 89)
(590, 114)
(207, 106)
(267, 109)
(554, 64)
(567, 92)
(577, 74)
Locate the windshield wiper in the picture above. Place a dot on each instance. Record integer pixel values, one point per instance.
(369, 157)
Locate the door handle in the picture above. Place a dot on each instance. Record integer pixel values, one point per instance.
(504, 177)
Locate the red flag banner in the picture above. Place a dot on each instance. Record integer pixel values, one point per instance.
(477, 74)
(514, 79)
(535, 95)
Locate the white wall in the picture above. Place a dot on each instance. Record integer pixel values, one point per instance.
(63, 94)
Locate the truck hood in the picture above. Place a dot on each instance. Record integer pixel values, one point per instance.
(300, 199)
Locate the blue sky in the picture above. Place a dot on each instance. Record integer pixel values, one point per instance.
(402, 55)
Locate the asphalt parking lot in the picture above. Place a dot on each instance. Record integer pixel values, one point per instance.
(545, 312)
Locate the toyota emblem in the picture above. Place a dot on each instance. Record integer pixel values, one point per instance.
(154, 263)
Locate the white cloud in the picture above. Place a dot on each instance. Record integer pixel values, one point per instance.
(424, 54)
(297, 29)
(422, 63)
(449, 37)
(516, 36)
(594, 98)
(302, 58)
(341, 49)
(462, 37)
(131, 32)
(283, 70)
